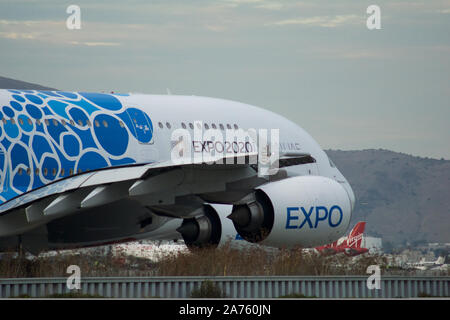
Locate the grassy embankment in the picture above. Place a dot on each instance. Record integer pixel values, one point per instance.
(224, 261)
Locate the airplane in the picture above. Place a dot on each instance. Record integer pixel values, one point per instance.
(329, 249)
(439, 264)
(81, 169)
(350, 245)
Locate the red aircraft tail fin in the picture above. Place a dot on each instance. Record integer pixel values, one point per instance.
(354, 239)
(334, 244)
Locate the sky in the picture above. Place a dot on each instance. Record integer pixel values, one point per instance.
(314, 62)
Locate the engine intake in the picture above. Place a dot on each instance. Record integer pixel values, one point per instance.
(202, 231)
(254, 220)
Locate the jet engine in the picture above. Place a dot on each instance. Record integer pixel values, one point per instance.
(203, 230)
(299, 211)
(211, 228)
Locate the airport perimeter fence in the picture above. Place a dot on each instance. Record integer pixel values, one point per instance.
(232, 287)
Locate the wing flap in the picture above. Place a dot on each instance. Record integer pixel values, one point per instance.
(90, 179)
(115, 175)
(105, 194)
(291, 159)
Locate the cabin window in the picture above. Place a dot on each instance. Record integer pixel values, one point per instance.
(191, 125)
(228, 126)
(122, 125)
(88, 123)
(20, 171)
(183, 125)
(97, 124)
(214, 126)
(55, 122)
(47, 123)
(236, 126)
(72, 122)
(36, 172)
(160, 125)
(21, 121)
(221, 127)
(45, 171)
(28, 171)
(206, 126)
(71, 171)
(80, 122)
(62, 172)
(13, 121)
(63, 122)
(38, 122)
(168, 125)
(105, 124)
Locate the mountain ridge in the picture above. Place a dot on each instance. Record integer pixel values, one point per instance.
(8, 83)
(403, 198)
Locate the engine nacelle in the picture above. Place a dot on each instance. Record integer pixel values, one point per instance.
(202, 231)
(301, 211)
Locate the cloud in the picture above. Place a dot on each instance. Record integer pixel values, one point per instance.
(351, 52)
(96, 44)
(241, 2)
(271, 6)
(27, 30)
(56, 33)
(16, 35)
(322, 21)
(364, 52)
(30, 23)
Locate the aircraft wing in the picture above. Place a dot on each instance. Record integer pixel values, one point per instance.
(145, 183)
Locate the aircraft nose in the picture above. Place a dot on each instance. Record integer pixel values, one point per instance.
(351, 195)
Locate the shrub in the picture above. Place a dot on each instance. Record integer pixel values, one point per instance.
(208, 289)
(70, 295)
(296, 296)
(425, 295)
(73, 295)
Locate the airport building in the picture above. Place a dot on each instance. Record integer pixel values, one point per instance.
(373, 244)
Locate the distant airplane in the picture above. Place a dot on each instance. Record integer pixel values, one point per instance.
(83, 169)
(439, 264)
(350, 245)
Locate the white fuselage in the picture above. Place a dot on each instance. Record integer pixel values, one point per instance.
(51, 137)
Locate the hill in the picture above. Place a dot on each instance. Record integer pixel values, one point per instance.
(403, 198)
(7, 83)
